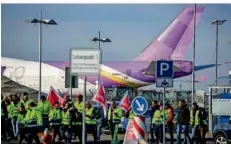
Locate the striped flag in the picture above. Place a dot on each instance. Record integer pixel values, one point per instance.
(125, 102)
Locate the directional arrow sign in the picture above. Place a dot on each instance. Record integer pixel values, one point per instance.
(139, 105)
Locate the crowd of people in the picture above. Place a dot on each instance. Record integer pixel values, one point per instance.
(23, 119)
(196, 118)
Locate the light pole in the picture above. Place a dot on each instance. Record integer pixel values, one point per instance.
(194, 55)
(99, 39)
(217, 23)
(40, 21)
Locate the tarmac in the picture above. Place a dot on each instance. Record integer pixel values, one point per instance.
(106, 139)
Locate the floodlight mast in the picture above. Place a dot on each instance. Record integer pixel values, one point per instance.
(99, 39)
(194, 55)
(217, 23)
(46, 22)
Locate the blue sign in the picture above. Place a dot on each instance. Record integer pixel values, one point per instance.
(139, 105)
(164, 69)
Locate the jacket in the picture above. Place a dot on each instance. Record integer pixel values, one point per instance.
(14, 109)
(90, 116)
(4, 109)
(115, 115)
(170, 112)
(183, 116)
(153, 111)
(26, 103)
(20, 119)
(158, 117)
(33, 118)
(44, 107)
(55, 116)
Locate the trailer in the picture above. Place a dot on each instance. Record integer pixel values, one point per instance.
(219, 102)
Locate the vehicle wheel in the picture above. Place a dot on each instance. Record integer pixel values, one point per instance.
(220, 139)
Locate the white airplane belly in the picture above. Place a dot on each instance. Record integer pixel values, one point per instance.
(26, 73)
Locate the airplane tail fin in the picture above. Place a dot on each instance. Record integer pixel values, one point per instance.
(174, 40)
(181, 48)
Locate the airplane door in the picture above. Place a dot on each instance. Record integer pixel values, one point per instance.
(127, 74)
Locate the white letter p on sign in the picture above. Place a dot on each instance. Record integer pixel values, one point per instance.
(163, 67)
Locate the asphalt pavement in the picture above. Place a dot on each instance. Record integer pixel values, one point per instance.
(106, 139)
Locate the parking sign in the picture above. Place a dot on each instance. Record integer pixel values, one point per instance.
(164, 73)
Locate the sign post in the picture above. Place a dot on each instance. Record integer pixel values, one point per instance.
(83, 62)
(164, 78)
(139, 107)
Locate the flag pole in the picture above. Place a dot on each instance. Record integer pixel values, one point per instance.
(70, 86)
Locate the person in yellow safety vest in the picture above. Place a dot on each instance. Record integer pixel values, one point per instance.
(197, 117)
(22, 127)
(55, 120)
(66, 123)
(154, 107)
(157, 121)
(14, 111)
(90, 119)
(114, 118)
(34, 121)
(44, 107)
(130, 114)
(26, 101)
(79, 103)
(77, 122)
(4, 115)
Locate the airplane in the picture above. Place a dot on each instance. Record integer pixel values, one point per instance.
(171, 44)
(197, 80)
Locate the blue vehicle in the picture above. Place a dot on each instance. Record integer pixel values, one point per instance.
(222, 133)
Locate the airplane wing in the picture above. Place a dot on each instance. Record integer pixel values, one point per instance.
(201, 67)
(151, 70)
(9, 86)
(197, 80)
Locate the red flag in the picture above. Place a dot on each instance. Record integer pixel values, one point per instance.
(125, 102)
(100, 97)
(53, 96)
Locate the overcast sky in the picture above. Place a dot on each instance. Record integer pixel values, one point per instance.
(130, 27)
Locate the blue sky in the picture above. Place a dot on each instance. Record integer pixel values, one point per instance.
(130, 27)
